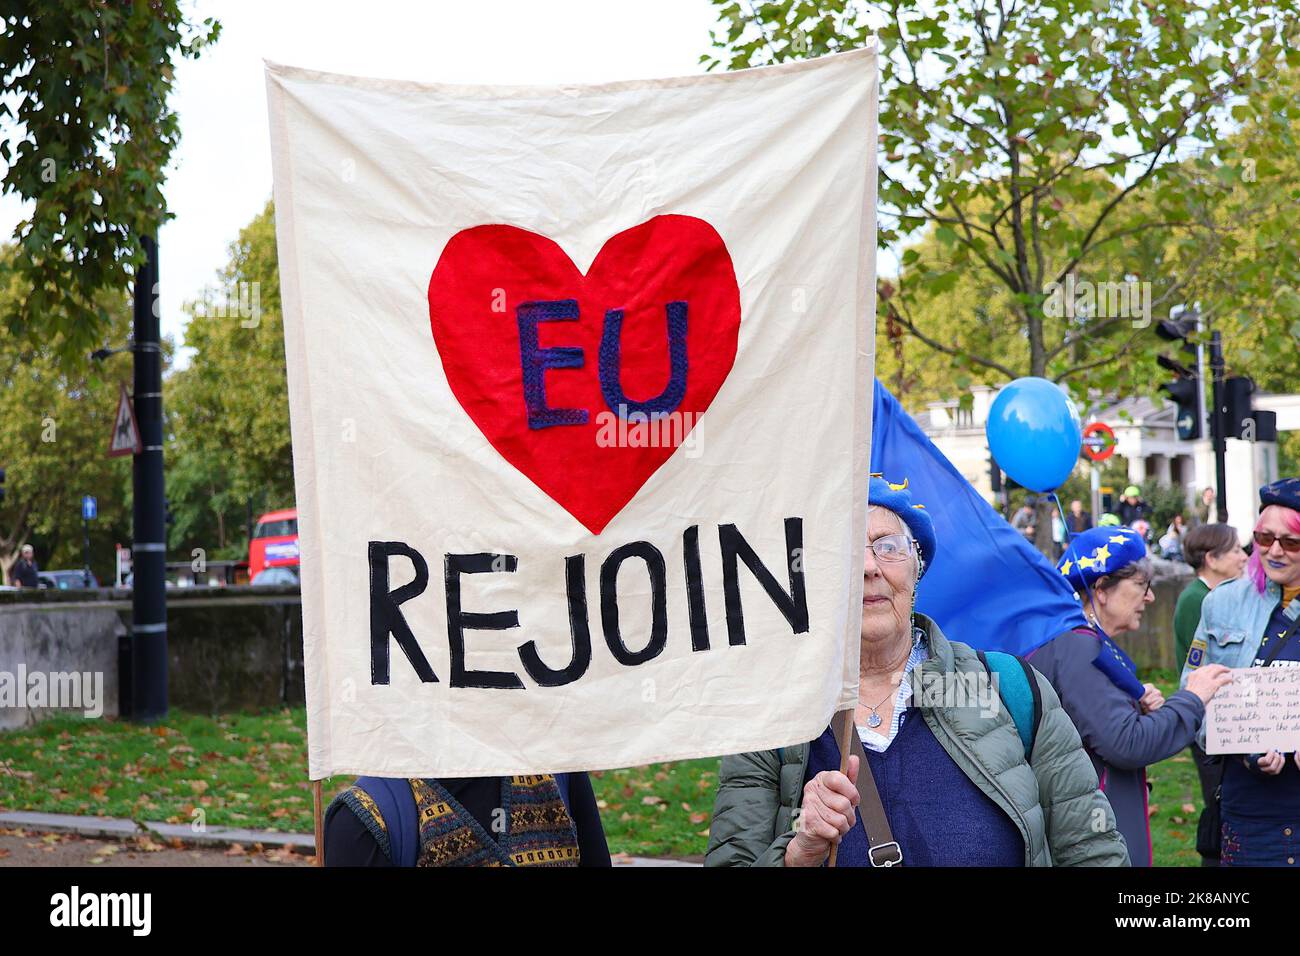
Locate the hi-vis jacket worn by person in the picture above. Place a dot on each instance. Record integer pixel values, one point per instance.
(1052, 799)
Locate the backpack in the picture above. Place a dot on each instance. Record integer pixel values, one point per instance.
(396, 803)
(1018, 689)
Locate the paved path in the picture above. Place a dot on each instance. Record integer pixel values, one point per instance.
(60, 839)
(19, 847)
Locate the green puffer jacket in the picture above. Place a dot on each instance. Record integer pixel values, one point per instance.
(1064, 819)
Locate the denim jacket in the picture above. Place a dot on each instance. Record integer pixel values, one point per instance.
(1233, 619)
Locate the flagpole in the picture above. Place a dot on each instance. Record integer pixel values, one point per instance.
(844, 740)
(319, 822)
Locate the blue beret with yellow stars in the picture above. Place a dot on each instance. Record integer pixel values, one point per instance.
(1284, 492)
(1098, 552)
(896, 498)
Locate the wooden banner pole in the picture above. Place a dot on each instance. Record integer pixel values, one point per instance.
(846, 728)
(320, 822)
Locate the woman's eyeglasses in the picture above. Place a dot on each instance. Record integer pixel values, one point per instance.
(891, 547)
(1265, 541)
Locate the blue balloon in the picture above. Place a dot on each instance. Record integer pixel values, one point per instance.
(1034, 433)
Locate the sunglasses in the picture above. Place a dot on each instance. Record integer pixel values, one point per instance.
(1265, 541)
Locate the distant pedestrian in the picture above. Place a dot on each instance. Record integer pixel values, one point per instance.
(1059, 536)
(1143, 527)
(1204, 512)
(1132, 508)
(24, 573)
(1171, 542)
(1023, 521)
(1078, 520)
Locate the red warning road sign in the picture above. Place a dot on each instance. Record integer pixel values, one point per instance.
(125, 439)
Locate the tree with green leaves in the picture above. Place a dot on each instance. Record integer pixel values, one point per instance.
(54, 433)
(86, 133)
(1054, 142)
(228, 411)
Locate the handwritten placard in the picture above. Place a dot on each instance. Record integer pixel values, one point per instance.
(1258, 711)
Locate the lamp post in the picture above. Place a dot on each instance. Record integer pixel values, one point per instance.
(149, 550)
(143, 666)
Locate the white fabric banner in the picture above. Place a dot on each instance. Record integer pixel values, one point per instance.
(579, 385)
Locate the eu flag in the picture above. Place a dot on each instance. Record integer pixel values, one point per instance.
(987, 587)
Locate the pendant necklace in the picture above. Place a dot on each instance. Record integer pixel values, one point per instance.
(874, 720)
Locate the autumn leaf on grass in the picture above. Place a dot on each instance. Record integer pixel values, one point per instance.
(99, 791)
(236, 849)
(699, 818)
(1189, 808)
(198, 786)
(651, 800)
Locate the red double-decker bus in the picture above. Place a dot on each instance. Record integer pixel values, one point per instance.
(275, 542)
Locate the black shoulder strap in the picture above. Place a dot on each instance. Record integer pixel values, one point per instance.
(1038, 697)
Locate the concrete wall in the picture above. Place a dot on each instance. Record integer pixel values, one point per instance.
(229, 648)
(50, 637)
(240, 648)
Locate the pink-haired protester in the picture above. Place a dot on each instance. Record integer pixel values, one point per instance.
(1254, 621)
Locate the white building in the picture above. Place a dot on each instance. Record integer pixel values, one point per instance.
(1145, 437)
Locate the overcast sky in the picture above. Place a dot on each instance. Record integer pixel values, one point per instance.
(221, 174)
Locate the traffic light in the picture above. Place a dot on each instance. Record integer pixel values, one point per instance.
(1236, 405)
(2, 484)
(1242, 420)
(1185, 390)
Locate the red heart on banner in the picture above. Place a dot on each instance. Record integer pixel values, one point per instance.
(543, 358)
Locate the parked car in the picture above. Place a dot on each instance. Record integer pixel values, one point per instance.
(275, 542)
(67, 580)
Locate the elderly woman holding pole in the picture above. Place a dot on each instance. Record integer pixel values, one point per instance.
(931, 778)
